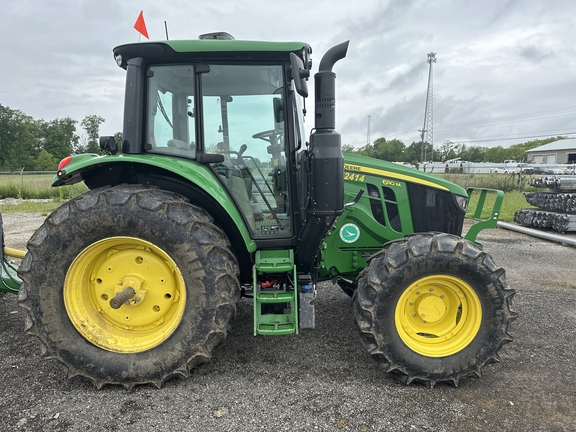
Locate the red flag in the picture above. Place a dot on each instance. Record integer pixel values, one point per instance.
(141, 25)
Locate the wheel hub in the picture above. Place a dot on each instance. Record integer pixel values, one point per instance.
(431, 309)
(438, 316)
(130, 293)
(143, 280)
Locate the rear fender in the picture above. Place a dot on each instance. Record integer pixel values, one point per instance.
(88, 167)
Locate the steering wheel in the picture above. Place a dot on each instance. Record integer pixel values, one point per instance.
(266, 135)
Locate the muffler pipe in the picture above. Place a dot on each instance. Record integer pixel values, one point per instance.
(325, 88)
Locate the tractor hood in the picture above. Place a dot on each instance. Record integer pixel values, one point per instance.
(368, 165)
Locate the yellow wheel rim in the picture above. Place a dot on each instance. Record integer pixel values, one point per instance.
(108, 267)
(438, 316)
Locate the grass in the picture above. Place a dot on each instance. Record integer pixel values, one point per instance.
(503, 182)
(31, 207)
(36, 186)
(513, 199)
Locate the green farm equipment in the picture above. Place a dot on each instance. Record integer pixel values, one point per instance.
(215, 192)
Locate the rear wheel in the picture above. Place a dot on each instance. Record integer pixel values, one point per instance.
(433, 307)
(129, 285)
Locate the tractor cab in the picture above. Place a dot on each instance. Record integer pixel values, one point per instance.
(236, 109)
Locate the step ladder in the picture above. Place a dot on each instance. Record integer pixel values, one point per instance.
(275, 293)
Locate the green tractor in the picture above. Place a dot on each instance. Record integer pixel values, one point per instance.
(215, 193)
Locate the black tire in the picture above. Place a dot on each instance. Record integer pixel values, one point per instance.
(469, 321)
(197, 259)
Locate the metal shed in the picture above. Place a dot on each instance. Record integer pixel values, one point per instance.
(557, 152)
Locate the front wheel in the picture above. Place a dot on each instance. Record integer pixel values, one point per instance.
(129, 285)
(432, 308)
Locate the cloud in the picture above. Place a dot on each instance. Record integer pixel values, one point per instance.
(534, 53)
(495, 58)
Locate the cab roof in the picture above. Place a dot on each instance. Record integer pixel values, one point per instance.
(174, 50)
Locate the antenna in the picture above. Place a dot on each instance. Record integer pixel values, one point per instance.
(166, 29)
(428, 128)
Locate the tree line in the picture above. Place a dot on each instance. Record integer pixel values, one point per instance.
(38, 145)
(396, 151)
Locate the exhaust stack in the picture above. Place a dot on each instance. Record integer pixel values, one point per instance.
(325, 88)
(325, 162)
(326, 159)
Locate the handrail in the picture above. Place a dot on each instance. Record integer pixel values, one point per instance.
(482, 224)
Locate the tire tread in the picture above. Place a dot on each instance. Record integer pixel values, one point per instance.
(391, 260)
(188, 218)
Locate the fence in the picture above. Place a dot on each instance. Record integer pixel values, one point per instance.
(490, 167)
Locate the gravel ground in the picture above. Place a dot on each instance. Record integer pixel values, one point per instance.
(321, 379)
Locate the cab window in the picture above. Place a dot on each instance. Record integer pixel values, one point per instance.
(243, 111)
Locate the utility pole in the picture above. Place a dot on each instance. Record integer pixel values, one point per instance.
(368, 133)
(428, 128)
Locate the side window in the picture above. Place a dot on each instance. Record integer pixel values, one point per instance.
(376, 204)
(392, 208)
(170, 124)
(163, 130)
(213, 131)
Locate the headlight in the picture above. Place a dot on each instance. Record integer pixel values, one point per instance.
(461, 201)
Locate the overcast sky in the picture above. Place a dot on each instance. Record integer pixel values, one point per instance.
(505, 70)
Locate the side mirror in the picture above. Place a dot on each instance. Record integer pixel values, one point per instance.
(109, 144)
(299, 74)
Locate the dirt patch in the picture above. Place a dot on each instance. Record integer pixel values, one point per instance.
(18, 227)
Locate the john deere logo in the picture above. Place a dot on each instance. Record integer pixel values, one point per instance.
(349, 233)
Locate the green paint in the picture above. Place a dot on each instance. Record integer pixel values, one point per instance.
(275, 265)
(184, 169)
(492, 220)
(233, 46)
(9, 280)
